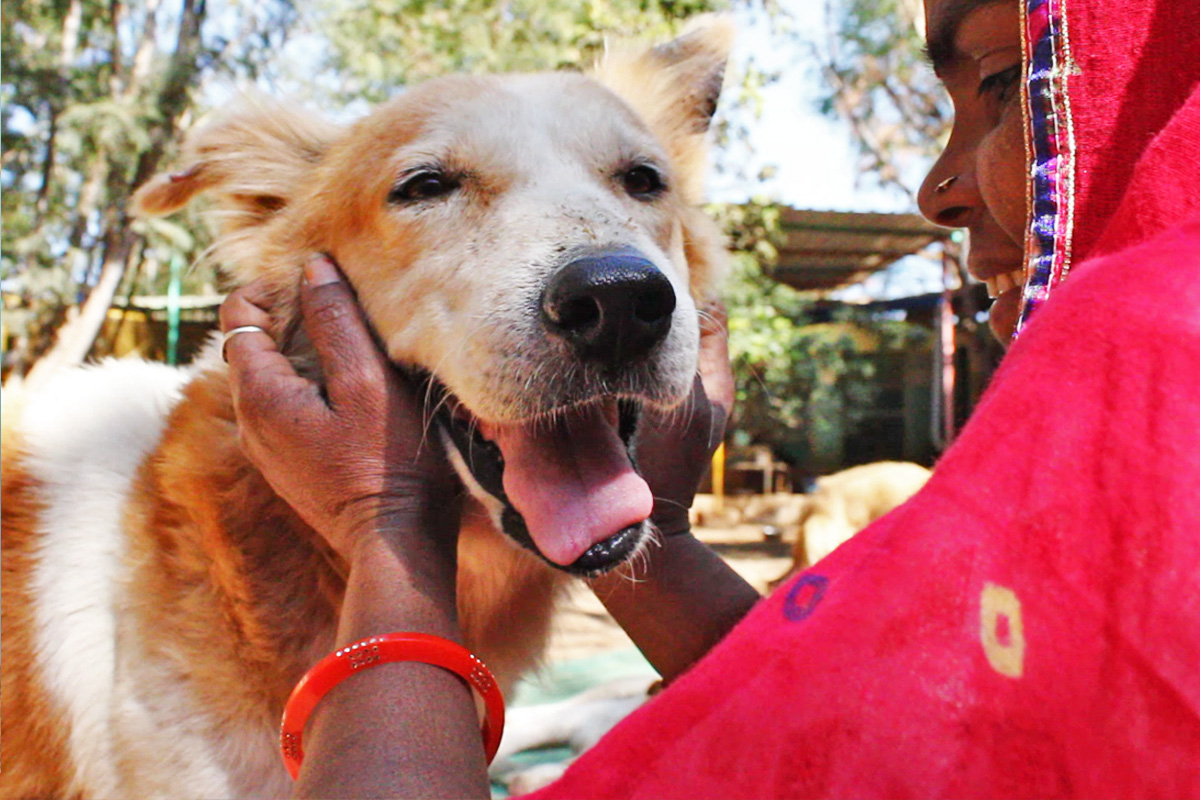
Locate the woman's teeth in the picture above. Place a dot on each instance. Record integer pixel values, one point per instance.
(998, 284)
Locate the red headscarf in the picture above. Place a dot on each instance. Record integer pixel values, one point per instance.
(1029, 624)
(1111, 111)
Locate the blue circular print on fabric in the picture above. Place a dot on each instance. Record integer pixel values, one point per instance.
(804, 596)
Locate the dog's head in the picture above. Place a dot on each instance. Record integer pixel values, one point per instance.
(531, 242)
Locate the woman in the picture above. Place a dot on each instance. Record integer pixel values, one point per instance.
(1028, 625)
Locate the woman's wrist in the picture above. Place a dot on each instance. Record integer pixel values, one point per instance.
(674, 522)
(684, 602)
(402, 577)
(418, 528)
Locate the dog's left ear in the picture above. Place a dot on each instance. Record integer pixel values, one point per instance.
(675, 87)
(255, 159)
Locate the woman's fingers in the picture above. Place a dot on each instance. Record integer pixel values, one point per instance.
(259, 373)
(241, 313)
(715, 373)
(350, 357)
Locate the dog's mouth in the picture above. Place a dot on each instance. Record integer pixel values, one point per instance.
(567, 482)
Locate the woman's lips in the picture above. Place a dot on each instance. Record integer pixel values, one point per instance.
(1005, 285)
(1002, 316)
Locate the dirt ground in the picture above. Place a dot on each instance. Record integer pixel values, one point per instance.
(583, 628)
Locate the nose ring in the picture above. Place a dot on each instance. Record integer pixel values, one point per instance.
(944, 185)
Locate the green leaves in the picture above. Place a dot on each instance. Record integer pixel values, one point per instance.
(805, 371)
(412, 40)
(94, 96)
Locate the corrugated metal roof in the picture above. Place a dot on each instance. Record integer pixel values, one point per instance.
(825, 250)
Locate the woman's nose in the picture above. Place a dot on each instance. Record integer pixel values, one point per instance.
(948, 194)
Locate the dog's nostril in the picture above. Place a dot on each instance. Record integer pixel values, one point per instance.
(653, 305)
(578, 314)
(610, 307)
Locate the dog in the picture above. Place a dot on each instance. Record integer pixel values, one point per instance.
(533, 244)
(842, 504)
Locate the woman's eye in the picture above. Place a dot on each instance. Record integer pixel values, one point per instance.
(1000, 84)
(423, 186)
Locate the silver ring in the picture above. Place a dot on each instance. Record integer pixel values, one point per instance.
(944, 185)
(230, 334)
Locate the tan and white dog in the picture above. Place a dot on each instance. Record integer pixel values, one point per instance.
(531, 242)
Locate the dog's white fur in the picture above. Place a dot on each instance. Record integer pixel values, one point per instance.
(86, 465)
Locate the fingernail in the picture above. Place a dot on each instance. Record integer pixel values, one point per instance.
(320, 270)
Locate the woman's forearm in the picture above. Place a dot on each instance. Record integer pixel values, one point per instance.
(683, 604)
(433, 746)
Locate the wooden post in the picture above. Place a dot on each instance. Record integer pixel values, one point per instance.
(948, 336)
(718, 476)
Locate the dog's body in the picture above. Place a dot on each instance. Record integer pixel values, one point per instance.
(159, 601)
(844, 503)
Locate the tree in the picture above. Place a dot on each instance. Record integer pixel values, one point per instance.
(412, 40)
(94, 96)
(879, 82)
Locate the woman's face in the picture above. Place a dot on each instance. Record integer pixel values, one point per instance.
(978, 183)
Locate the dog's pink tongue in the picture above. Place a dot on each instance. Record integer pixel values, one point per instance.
(571, 480)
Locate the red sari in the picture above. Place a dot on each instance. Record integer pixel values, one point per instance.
(1029, 624)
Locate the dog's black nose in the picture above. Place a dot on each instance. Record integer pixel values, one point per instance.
(610, 307)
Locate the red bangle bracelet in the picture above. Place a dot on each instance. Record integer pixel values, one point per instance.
(389, 648)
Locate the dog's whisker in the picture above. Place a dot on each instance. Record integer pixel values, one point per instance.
(639, 560)
(429, 416)
(668, 501)
(446, 397)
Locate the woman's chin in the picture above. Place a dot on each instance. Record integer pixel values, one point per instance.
(1002, 316)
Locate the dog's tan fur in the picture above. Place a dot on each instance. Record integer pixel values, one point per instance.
(845, 502)
(168, 675)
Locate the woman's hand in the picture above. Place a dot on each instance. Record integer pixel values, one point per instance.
(685, 598)
(356, 459)
(676, 447)
(357, 463)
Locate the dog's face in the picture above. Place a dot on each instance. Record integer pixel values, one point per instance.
(535, 218)
(528, 241)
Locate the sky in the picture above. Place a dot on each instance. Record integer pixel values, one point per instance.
(813, 156)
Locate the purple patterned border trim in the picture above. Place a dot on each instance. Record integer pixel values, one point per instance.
(1051, 150)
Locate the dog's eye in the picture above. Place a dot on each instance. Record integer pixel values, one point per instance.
(643, 182)
(423, 186)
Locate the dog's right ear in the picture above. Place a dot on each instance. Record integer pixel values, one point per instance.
(255, 160)
(675, 87)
